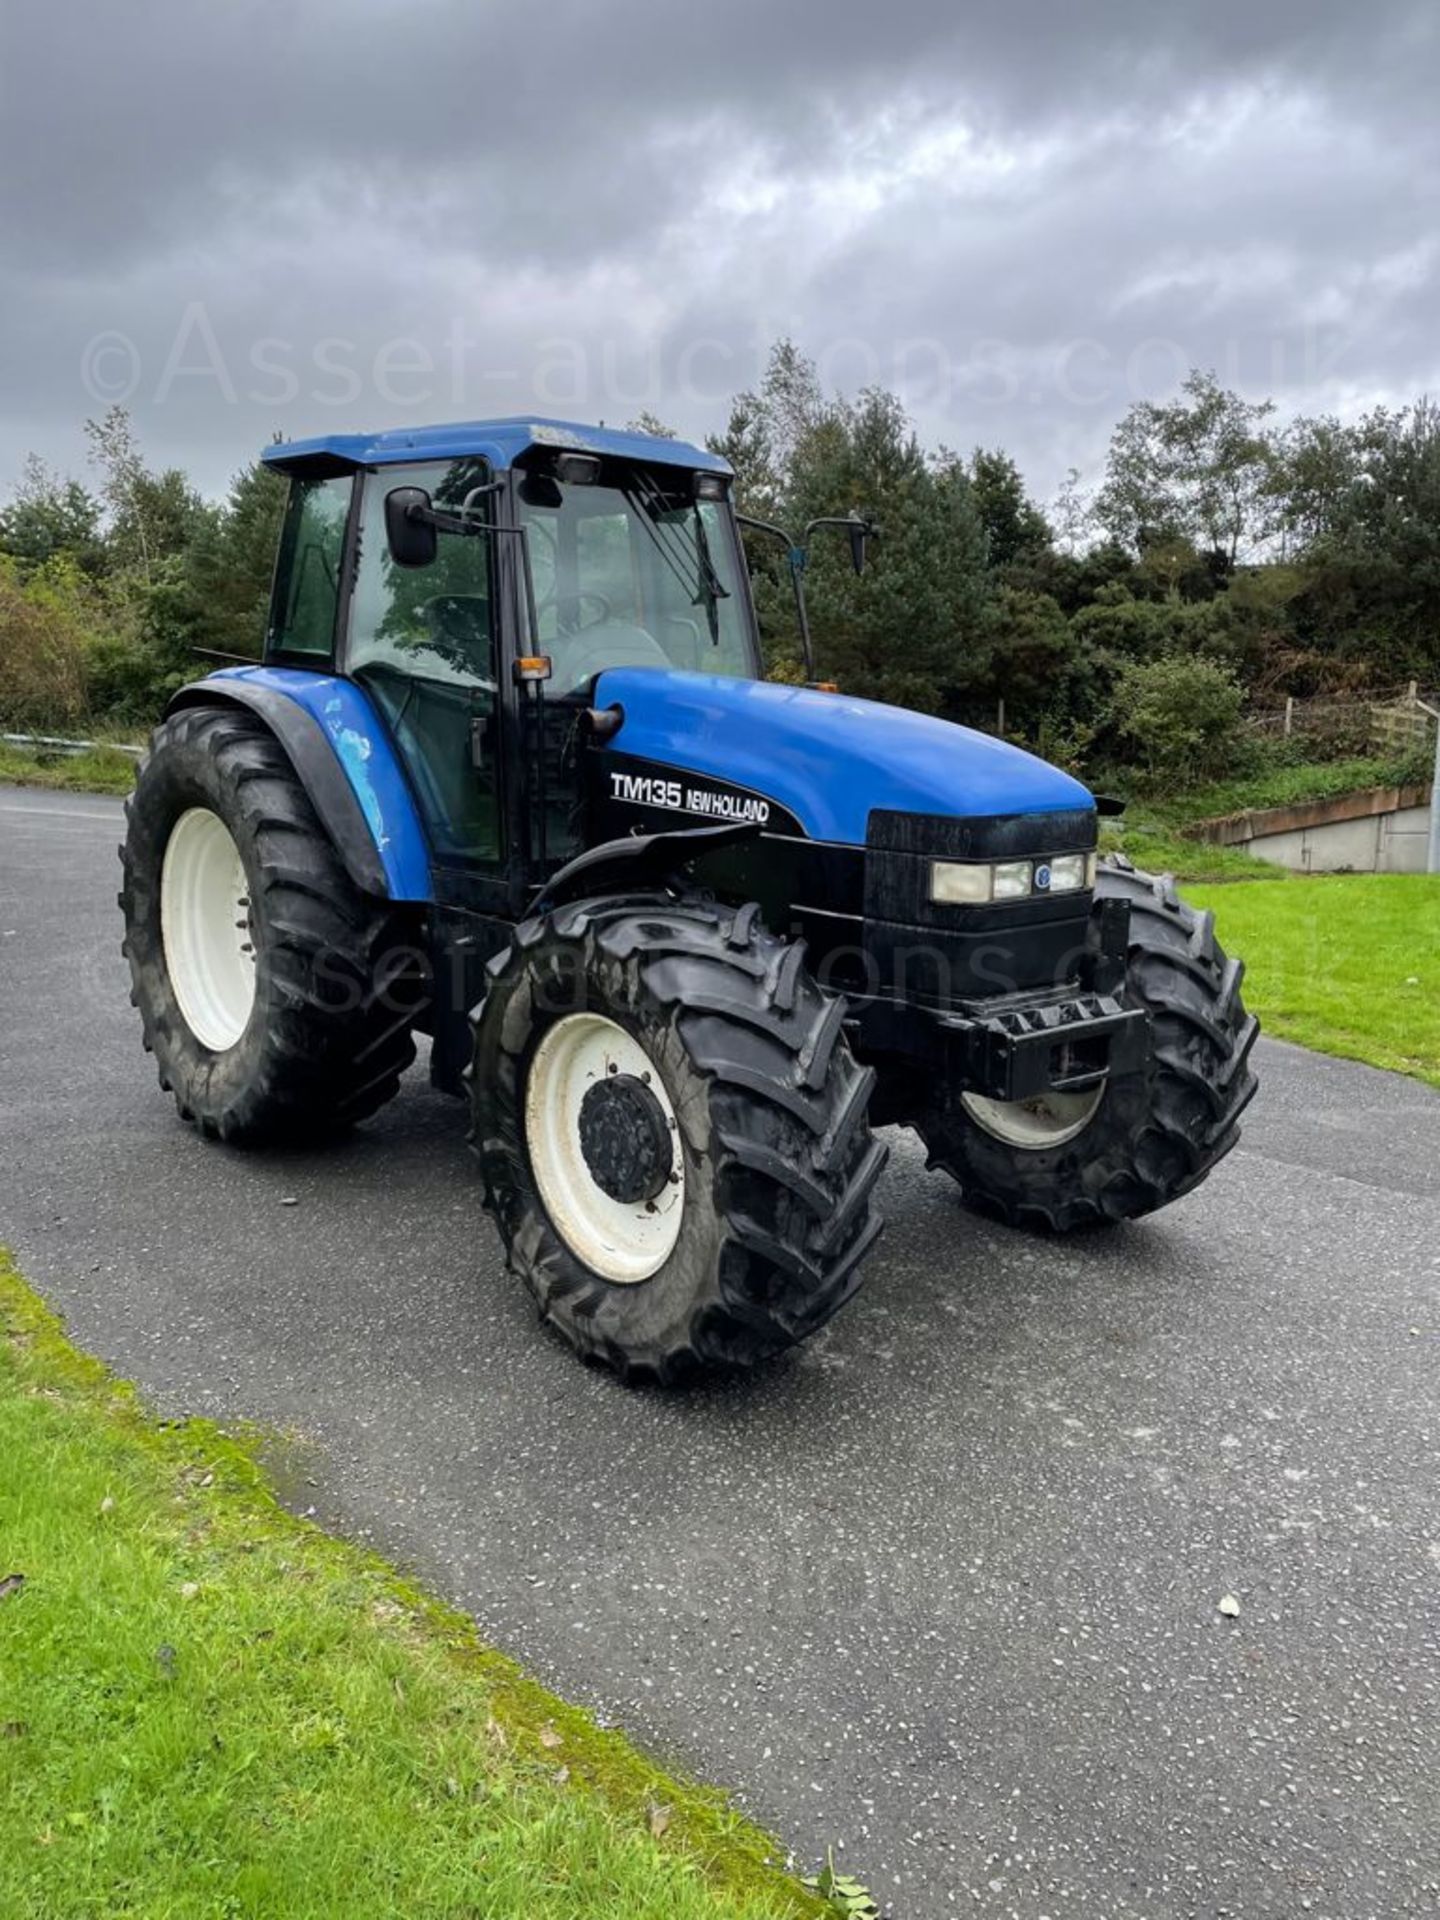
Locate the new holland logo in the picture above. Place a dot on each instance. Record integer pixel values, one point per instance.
(682, 796)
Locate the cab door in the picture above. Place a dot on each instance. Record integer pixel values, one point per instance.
(424, 643)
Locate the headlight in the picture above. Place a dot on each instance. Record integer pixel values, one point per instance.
(975, 883)
(1012, 880)
(953, 884)
(1071, 872)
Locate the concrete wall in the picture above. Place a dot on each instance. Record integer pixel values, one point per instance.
(1381, 843)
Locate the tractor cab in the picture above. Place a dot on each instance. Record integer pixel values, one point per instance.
(476, 581)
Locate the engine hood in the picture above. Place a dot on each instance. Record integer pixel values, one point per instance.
(828, 758)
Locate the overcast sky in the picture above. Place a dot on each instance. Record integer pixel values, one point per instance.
(332, 214)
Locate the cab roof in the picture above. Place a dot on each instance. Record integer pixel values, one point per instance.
(501, 442)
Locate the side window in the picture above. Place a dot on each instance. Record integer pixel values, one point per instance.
(422, 645)
(307, 579)
(432, 621)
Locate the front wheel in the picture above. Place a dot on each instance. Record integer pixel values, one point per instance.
(1129, 1145)
(672, 1134)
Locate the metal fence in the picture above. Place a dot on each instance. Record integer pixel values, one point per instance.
(48, 743)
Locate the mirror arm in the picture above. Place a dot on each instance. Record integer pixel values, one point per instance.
(455, 522)
(798, 555)
(855, 524)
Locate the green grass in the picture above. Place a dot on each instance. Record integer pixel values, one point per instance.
(1156, 848)
(1348, 964)
(100, 771)
(1288, 787)
(209, 1708)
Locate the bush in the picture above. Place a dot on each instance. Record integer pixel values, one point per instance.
(44, 639)
(1181, 718)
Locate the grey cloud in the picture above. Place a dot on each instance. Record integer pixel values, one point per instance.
(662, 188)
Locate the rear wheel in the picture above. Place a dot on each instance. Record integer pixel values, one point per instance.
(1130, 1145)
(276, 997)
(672, 1134)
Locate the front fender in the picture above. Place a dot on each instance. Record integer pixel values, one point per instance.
(343, 757)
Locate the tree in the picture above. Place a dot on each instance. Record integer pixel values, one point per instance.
(794, 406)
(911, 628)
(1364, 501)
(1198, 471)
(1316, 466)
(49, 517)
(647, 422)
(746, 444)
(1071, 512)
(1032, 655)
(151, 515)
(45, 617)
(229, 564)
(1015, 528)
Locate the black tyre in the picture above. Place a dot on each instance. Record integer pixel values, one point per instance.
(672, 1060)
(1138, 1142)
(276, 997)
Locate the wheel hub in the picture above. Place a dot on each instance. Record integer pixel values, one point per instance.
(625, 1139)
(1039, 1124)
(207, 928)
(604, 1147)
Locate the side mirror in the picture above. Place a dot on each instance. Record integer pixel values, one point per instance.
(858, 532)
(409, 531)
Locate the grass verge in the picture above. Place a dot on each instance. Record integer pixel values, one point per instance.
(1292, 786)
(1153, 834)
(211, 1708)
(100, 771)
(1348, 964)
(1157, 848)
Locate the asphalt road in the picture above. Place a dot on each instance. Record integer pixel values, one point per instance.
(940, 1590)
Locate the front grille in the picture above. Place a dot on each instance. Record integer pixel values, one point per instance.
(937, 954)
(900, 848)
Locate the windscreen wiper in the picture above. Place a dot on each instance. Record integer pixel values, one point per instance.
(650, 507)
(712, 589)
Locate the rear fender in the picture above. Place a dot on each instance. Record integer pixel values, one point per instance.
(343, 758)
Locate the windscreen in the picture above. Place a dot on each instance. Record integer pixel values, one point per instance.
(634, 572)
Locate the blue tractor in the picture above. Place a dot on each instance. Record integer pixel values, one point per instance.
(509, 776)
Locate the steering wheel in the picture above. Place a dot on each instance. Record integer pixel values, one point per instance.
(604, 617)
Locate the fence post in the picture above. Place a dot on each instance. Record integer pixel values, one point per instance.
(1000, 717)
(1289, 713)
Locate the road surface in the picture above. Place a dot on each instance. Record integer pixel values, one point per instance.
(941, 1590)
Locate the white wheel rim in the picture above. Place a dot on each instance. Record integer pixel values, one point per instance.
(621, 1241)
(1049, 1120)
(205, 929)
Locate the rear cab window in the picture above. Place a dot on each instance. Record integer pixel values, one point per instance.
(308, 568)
